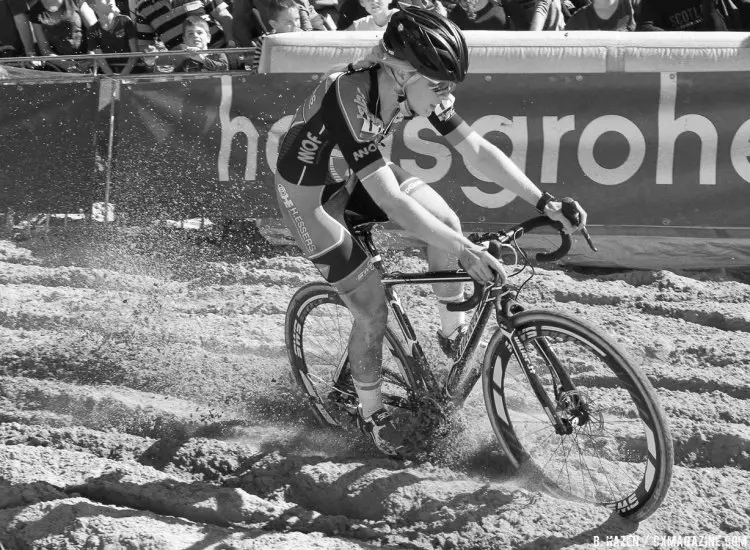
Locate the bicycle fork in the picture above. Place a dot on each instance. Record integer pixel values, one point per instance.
(568, 400)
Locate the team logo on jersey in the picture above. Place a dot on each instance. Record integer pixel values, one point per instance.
(445, 110)
(296, 218)
(371, 124)
(308, 149)
(284, 196)
(364, 151)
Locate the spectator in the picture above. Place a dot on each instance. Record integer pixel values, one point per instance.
(480, 15)
(535, 15)
(351, 10)
(329, 11)
(688, 15)
(248, 23)
(284, 17)
(196, 35)
(17, 34)
(10, 38)
(378, 14)
(256, 16)
(113, 32)
(58, 27)
(311, 20)
(162, 20)
(603, 15)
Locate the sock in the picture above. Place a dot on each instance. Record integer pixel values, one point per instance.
(370, 396)
(450, 320)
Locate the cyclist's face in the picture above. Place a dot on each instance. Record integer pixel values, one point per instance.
(423, 95)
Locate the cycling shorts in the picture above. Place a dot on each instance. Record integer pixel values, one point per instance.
(315, 217)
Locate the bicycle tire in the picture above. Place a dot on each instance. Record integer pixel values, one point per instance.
(607, 386)
(317, 330)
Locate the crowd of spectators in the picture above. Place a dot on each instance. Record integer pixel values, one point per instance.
(176, 33)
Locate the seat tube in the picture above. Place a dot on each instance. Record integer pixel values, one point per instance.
(422, 378)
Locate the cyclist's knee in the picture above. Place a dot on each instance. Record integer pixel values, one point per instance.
(367, 303)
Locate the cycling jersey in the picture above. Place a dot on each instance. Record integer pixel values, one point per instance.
(335, 137)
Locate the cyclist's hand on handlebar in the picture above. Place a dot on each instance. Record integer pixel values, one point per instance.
(480, 264)
(568, 212)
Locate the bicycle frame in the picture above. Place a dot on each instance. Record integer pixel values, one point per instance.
(461, 380)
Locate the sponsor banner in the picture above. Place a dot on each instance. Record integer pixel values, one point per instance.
(646, 150)
(649, 155)
(47, 159)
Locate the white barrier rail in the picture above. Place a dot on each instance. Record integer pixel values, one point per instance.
(532, 52)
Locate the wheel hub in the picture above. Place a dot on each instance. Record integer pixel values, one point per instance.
(575, 411)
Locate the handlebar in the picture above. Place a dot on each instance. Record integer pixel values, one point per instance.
(496, 239)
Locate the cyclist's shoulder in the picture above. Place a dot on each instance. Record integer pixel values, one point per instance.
(353, 97)
(352, 89)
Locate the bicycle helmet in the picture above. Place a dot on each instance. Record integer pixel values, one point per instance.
(434, 45)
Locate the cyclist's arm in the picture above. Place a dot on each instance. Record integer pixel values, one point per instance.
(383, 187)
(493, 163)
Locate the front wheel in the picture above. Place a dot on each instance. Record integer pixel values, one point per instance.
(569, 407)
(317, 331)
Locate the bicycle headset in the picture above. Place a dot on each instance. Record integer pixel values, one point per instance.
(434, 45)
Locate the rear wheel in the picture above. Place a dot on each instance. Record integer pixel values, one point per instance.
(571, 409)
(317, 331)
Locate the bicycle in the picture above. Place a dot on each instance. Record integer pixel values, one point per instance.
(598, 406)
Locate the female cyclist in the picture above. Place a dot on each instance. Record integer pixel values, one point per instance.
(330, 160)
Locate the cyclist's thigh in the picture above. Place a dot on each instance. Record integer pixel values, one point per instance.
(426, 196)
(319, 230)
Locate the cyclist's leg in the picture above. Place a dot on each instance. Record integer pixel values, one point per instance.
(367, 304)
(437, 259)
(315, 219)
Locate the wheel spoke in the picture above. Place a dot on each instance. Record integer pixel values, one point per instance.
(321, 326)
(596, 393)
